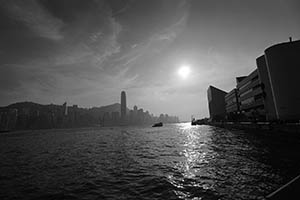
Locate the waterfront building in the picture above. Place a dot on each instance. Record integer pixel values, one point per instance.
(123, 105)
(106, 116)
(283, 67)
(131, 117)
(232, 103)
(269, 105)
(140, 116)
(216, 103)
(250, 96)
(65, 107)
(135, 113)
(239, 79)
(115, 116)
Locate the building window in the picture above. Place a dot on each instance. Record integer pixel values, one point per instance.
(258, 97)
(248, 101)
(231, 101)
(245, 85)
(254, 78)
(246, 92)
(257, 86)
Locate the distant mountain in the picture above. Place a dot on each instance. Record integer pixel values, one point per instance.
(116, 107)
(25, 104)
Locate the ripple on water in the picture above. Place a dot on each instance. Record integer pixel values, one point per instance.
(172, 162)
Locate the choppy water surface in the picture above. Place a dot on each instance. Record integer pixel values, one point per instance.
(176, 161)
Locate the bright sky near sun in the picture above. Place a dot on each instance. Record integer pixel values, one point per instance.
(184, 72)
(89, 51)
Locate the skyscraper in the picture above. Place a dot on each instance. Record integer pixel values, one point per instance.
(123, 105)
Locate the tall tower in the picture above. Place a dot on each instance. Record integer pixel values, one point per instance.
(65, 107)
(123, 105)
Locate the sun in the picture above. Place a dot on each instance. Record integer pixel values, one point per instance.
(184, 72)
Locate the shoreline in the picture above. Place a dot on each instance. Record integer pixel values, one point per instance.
(291, 128)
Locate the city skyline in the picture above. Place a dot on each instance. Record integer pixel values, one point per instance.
(87, 52)
(30, 115)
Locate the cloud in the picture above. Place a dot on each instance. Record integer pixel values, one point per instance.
(35, 17)
(92, 39)
(171, 32)
(92, 58)
(110, 43)
(138, 55)
(102, 48)
(122, 9)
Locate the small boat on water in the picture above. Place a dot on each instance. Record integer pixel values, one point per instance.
(158, 124)
(4, 131)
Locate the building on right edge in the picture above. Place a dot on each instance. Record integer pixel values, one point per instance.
(266, 87)
(282, 63)
(270, 92)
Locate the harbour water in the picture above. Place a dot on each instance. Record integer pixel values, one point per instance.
(176, 161)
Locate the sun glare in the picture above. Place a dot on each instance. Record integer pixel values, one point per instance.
(184, 72)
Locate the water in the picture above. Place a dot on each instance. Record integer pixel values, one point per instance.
(176, 161)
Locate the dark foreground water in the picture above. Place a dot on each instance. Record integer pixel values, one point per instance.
(171, 162)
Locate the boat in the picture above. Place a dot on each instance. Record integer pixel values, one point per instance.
(158, 124)
(193, 123)
(4, 131)
(198, 121)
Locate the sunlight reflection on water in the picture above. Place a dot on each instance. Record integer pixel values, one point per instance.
(196, 154)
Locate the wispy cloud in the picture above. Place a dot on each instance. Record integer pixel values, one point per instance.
(35, 17)
(138, 54)
(92, 62)
(94, 46)
(171, 32)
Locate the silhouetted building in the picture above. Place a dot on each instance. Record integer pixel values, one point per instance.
(250, 96)
(239, 79)
(123, 105)
(29, 115)
(216, 103)
(131, 117)
(266, 87)
(65, 107)
(140, 116)
(270, 92)
(232, 103)
(106, 116)
(283, 66)
(8, 119)
(115, 116)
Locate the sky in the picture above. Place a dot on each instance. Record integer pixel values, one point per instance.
(86, 52)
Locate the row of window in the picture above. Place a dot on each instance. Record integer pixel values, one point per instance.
(246, 92)
(248, 101)
(231, 101)
(249, 82)
(244, 86)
